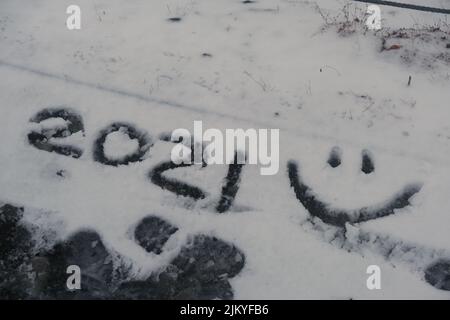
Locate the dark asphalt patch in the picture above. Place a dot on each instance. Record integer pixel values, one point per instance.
(201, 270)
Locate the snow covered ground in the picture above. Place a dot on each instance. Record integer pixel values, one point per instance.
(308, 68)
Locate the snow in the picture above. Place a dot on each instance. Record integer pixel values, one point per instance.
(118, 145)
(271, 64)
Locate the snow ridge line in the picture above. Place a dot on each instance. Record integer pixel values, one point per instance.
(406, 6)
(123, 93)
(302, 133)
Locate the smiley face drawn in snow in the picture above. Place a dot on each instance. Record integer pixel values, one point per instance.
(435, 268)
(339, 217)
(43, 138)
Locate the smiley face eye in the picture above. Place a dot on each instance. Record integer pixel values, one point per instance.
(334, 159)
(367, 165)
